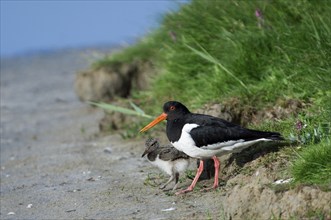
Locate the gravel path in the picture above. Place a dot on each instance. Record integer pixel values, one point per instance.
(52, 165)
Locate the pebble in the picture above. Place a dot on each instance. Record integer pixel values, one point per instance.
(169, 209)
(282, 181)
(107, 150)
(86, 172)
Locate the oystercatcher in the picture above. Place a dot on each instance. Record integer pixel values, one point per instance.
(167, 158)
(204, 136)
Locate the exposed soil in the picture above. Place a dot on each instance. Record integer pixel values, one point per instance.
(54, 166)
(116, 80)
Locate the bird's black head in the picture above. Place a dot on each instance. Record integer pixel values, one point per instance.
(174, 110)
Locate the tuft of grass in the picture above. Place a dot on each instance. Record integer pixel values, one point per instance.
(313, 165)
(153, 179)
(141, 51)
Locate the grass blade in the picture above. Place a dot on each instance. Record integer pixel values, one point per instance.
(205, 55)
(115, 108)
(136, 108)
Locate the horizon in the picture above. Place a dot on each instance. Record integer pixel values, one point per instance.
(35, 26)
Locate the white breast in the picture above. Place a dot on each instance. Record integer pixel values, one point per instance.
(168, 167)
(181, 165)
(187, 144)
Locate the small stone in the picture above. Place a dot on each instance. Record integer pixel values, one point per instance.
(107, 150)
(91, 179)
(169, 209)
(282, 181)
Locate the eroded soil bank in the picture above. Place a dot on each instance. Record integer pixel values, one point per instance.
(53, 166)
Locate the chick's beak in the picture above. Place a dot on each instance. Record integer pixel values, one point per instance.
(157, 120)
(145, 152)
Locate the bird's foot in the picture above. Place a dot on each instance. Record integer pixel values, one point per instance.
(209, 188)
(189, 189)
(175, 187)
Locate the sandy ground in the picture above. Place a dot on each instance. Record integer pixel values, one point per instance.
(54, 167)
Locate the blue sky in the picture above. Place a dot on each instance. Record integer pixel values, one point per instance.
(41, 25)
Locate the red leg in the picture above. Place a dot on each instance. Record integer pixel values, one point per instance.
(217, 167)
(195, 180)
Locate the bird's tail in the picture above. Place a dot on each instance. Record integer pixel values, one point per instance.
(276, 136)
(268, 135)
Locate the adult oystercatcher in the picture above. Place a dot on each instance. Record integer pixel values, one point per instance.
(167, 158)
(204, 136)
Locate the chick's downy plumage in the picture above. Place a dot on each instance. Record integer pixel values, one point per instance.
(167, 158)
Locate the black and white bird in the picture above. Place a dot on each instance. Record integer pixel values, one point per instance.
(204, 136)
(167, 158)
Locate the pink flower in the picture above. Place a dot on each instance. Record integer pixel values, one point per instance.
(258, 13)
(299, 125)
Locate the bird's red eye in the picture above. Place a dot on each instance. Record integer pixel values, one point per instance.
(172, 108)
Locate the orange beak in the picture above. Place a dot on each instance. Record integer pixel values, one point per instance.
(157, 120)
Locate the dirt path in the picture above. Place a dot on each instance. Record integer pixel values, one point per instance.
(52, 167)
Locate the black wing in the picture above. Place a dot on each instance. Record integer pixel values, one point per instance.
(215, 130)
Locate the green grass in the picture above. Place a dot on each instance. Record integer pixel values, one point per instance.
(212, 51)
(221, 53)
(312, 159)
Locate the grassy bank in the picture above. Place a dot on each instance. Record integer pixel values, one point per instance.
(259, 52)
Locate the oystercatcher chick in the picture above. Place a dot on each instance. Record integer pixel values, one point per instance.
(204, 136)
(167, 158)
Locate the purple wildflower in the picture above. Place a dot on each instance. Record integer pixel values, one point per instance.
(258, 13)
(299, 125)
(260, 19)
